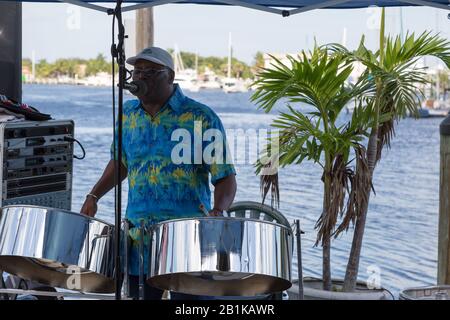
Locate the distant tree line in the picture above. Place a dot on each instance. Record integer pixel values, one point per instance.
(73, 67)
(70, 67)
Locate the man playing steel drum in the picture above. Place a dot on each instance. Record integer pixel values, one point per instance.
(168, 154)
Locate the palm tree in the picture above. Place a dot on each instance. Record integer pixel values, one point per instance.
(395, 79)
(318, 80)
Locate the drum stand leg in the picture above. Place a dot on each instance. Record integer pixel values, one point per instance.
(3, 296)
(126, 241)
(141, 260)
(298, 235)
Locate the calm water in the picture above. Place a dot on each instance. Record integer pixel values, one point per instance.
(402, 227)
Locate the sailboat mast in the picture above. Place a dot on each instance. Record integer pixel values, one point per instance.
(229, 55)
(196, 63)
(33, 65)
(344, 37)
(401, 23)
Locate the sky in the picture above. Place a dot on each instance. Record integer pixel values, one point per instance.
(56, 30)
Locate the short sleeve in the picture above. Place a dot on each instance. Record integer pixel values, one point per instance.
(114, 155)
(217, 159)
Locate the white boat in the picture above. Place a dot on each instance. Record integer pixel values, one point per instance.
(101, 79)
(434, 108)
(433, 113)
(185, 78)
(210, 84)
(209, 80)
(233, 85)
(230, 84)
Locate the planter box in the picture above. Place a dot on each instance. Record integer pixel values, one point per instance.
(312, 288)
(426, 293)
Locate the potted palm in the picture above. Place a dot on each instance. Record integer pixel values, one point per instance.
(386, 91)
(318, 79)
(395, 81)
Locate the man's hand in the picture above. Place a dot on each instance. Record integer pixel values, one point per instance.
(224, 192)
(215, 213)
(103, 185)
(89, 207)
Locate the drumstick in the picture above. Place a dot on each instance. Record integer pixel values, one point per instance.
(203, 209)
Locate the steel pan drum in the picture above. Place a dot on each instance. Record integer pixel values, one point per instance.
(57, 247)
(220, 256)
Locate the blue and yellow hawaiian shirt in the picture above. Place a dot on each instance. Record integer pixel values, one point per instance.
(169, 158)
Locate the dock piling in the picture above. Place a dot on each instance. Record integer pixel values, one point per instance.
(443, 276)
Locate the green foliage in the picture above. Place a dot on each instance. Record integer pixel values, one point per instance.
(393, 81)
(70, 67)
(99, 64)
(318, 79)
(44, 69)
(393, 78)
(259, 60)
(27, 63)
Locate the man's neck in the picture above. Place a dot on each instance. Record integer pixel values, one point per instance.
(152, 107)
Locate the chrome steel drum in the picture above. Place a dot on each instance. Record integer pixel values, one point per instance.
(221, 256)
(57, 247)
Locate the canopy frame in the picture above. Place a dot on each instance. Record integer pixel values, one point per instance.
(282, 12)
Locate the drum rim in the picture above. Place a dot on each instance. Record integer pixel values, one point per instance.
(281, 280)
(156, 225)
(57, 210)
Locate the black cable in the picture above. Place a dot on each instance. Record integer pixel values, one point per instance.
(392, 295)
(3, 296)
(70, 139)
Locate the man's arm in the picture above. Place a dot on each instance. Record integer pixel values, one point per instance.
(224, 192)
(104, 184)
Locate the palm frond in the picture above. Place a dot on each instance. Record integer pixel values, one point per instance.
(269, 184)
(313, 78)
(341, 176)
(360, 186)
(399, 52)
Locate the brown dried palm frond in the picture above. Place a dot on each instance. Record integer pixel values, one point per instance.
(269, 183)
(340, 179)
(386, 130)
(360, 186)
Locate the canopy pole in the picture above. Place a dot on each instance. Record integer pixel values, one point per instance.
(145, 27)
(443, 263)
(11, 50)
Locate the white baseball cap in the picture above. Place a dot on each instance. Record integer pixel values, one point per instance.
(154, 54)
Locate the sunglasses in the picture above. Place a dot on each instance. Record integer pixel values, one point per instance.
(147, 73)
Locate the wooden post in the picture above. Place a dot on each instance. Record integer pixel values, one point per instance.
(144, 29)
(443, 276)
(11, 49)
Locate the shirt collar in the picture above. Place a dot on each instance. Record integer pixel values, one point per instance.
(177, 99)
